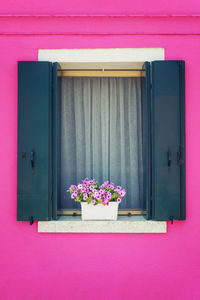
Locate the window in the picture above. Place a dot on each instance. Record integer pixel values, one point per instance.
(101, 133)
(160, 144)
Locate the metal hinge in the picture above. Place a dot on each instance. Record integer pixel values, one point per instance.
(180, 158)
(31, 220)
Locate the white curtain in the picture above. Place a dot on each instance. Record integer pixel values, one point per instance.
(101, 135)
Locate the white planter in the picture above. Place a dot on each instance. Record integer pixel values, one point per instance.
(99, 211)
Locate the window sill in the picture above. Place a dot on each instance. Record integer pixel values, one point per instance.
(134, 224)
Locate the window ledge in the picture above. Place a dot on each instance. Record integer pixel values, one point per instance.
(134, 224)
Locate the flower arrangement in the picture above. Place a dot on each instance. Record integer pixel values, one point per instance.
(92, 192)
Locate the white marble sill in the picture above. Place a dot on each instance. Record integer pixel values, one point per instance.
(133, 224)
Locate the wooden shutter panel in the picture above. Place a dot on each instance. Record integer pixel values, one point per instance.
(56, 138)
(147, 142)
(34, 141)
(168, 140)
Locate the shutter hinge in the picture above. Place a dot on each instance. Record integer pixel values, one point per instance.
(171, 219)
(180, 158)
(31, 220)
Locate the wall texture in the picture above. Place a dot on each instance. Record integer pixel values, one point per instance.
(98, 266)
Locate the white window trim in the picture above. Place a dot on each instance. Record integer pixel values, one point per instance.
(125, 58)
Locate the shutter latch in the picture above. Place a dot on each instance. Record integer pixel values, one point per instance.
(171, 219)
(32, 156)
(169, 159)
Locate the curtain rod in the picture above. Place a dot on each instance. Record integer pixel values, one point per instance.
(101, 73)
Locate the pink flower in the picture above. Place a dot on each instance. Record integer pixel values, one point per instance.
(104, 193)
(85, 197)
(72, 187)
(91, 181)
(111, 186)
(84, 190)
(104, 185)
(85, 182)
(101, 192)
(109, 196)
(123, 192)
(75, 193)
(118, 189)
(97, 195)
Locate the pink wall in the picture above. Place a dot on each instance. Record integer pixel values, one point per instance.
(97, 266)
(96, 7)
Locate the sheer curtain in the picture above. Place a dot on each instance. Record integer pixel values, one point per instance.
(101, 135)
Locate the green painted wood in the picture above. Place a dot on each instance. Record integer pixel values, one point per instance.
(167, 137)
(147, 145)
(34, 186)
(56, 138)
(182, 141)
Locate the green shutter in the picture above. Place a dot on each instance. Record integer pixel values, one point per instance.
(168, 140)
(56, 137)
(34, 141)
(147, 145)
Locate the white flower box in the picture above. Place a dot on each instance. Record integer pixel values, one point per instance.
(99, 211)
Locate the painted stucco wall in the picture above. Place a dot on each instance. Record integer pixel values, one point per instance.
(98, 266)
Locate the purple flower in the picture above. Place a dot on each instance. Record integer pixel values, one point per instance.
(119, 200)
(80, 186)
(93, 202)
(72, 196)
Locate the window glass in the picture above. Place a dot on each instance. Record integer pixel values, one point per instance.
(102, 135)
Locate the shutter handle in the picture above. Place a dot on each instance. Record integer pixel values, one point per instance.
(169, 159)
(32, 156)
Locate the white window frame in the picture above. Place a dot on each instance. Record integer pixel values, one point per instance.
(111, 58)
